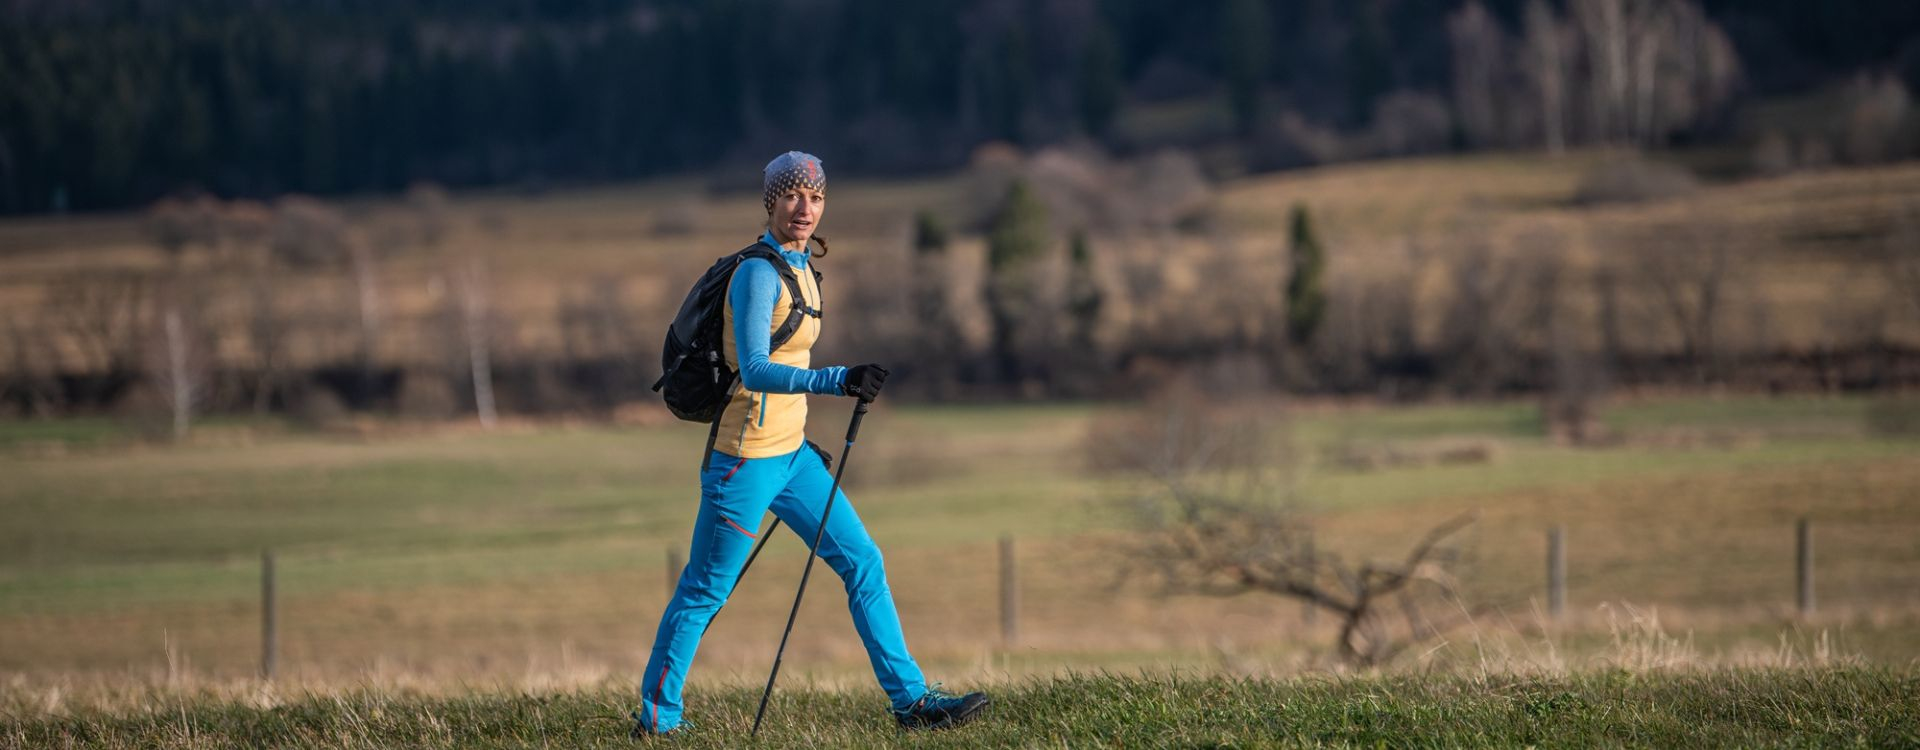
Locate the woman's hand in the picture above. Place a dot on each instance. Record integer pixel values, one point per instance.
(864, 381)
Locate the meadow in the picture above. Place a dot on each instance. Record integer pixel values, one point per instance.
(444, 585)
(1757, 709)
(536, 554)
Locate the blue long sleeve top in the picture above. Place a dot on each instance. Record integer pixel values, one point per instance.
(756, 287)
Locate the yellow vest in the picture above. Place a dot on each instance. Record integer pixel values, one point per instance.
(760, 425)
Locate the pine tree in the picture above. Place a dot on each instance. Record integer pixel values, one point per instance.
(1015, 243)
(1100, 84)
(1245, 32)
(1306, 292)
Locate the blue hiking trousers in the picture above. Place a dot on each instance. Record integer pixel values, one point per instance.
(735, 493)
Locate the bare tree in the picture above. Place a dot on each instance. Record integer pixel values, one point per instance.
(939, 352)
(1603, 26)
(597, 328)
(246, 230)
(99, 316)
(1691, 271)
(1652, 66)
(30, 377)
(1480, 328)
(1903, 254)
(179, 353)
(471, 290)
(1479, 73)
(309, 233)
(1219, 522)
(1546, 56)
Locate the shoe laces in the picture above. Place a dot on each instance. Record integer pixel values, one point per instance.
(935, 693)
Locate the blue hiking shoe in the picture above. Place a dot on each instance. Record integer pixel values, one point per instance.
(939, 709)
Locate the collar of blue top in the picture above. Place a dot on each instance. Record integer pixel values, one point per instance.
(796, 257)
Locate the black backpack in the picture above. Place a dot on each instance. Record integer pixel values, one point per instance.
(694, 377)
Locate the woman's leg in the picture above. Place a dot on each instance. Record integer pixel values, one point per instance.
(734, 495)
(852, 554)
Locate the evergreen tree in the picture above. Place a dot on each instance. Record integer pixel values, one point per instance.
(929, 234)
(1100, 84)
(1245, 33)
(1306, 292)
(1015, 243)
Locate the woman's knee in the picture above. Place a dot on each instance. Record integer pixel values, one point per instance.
(861, 562)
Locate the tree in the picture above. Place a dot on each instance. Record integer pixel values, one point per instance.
(1099, 81)
(1215, 518)
(1306, 283)
(936, 355)
(1653, 66)
(1084, 299)
(474, 300)
(179, 359)
(1015, 243)
(308, 232)
(1479, 73)
(929, 233)
(1245, 35)
(247, 226)
(1546, 61)
(1691, 271)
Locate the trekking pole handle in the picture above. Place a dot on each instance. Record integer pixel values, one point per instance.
(859, 413)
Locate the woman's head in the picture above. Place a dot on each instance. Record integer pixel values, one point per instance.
(795, 196)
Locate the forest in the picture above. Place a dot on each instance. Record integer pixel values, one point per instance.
(116, 103)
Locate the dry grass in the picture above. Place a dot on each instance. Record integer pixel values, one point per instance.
(1807, 235)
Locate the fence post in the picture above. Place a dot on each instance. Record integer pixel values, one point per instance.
(1009, 594)
(674, 566)
(269, 645)
(1803, 564)
(1557, 571)
(1309, 612)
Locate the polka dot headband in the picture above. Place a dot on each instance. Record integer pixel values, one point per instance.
(791, 170)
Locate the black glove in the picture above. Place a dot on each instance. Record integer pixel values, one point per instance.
(864, 381)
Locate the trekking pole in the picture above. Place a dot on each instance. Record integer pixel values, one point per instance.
(853, 429)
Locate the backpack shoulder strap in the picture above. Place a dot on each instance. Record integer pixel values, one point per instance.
(798, 310)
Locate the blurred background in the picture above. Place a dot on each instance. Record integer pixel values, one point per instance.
(326, 331)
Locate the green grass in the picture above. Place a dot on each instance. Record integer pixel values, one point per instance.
(76, 431)
(530, 537)
(1749, 709)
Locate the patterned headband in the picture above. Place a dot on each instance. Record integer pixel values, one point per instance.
(791, 170)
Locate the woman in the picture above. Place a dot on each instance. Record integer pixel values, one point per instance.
(761, 461)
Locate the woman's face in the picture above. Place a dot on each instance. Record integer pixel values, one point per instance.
(796, 213)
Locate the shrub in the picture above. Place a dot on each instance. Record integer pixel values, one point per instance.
(1633, 180)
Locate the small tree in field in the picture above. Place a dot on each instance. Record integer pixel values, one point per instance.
(1217, 520)
(179, 355)
(1306, 282)
(936, 353)
(1015, 244)
(1084, 300)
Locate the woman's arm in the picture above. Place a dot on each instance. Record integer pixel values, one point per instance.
(756, 286)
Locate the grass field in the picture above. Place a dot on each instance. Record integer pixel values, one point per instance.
(1748, 708)
(535, 555)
